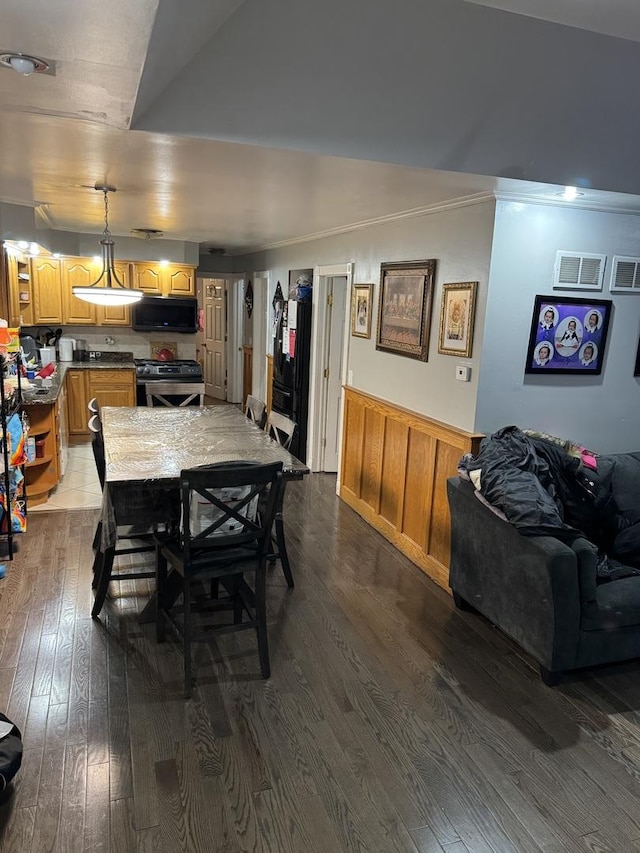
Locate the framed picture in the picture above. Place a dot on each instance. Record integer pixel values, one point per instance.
(404, 312)
(361, 310)
(456, 318)
(568, 335)
(300, 285)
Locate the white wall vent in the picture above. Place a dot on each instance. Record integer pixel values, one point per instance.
(579, 271)
(625, 275)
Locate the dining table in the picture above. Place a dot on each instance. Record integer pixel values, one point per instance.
(146, 448)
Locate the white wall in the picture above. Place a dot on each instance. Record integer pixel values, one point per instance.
(460, 241)
(602, 412)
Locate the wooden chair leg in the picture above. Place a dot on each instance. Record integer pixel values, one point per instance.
(96, 568)
(186, 638)
(161, 591)
(261, 619)
(105, 568)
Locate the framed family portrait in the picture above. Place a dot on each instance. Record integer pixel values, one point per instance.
(361, 310)
(457, 315)
(568, 335)
(404, 310)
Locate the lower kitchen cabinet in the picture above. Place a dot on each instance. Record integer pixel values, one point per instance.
(43, 474)
(111, 387)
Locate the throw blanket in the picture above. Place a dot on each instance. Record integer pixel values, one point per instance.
(544, 491)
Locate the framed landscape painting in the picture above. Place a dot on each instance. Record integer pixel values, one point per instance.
(404, 312)
(568, 335)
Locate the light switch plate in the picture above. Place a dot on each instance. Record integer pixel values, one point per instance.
(463, 373)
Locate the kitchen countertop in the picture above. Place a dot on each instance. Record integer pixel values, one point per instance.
(47, 396)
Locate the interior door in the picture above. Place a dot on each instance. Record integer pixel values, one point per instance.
(337, 288)
(215, 337)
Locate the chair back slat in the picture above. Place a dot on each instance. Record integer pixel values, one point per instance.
(255, 410)
(229, 505)
(281, 428)
(97, 446)
(159, 392)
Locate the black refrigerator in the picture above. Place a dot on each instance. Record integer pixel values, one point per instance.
(291, 357)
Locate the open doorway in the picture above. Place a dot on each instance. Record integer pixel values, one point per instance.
(332, 287)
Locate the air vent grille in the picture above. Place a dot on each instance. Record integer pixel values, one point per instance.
(625, 275)
(579, 270)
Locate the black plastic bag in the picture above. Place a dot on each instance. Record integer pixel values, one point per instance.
(10, 754)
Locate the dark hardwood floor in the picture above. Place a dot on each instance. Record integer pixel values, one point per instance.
(391, 722)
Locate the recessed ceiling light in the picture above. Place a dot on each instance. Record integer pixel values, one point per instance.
(24, 64)
(34, 248)
(23, 244)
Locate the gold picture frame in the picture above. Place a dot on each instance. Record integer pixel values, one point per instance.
(457, 316)
(404, 308)
(361, 298)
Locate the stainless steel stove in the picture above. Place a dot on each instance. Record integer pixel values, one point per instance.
(151, 369)
(180, 370)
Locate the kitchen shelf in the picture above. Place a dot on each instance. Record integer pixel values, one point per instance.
(39, 460)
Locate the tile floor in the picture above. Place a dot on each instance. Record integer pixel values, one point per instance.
(79, 488)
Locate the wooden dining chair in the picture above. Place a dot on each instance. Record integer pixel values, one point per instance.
(223, 537)
(132, 526)
(255, 410)
(157, 393)
(283, 430)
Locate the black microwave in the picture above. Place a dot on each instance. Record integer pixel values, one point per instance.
(165, 314)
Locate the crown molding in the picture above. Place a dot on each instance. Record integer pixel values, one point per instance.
(463, 201)
(576, 205)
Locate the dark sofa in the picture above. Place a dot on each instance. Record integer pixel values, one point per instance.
(541, 591)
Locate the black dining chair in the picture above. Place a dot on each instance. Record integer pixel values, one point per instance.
(136, 522)
(255, 410)
(223, 538)
(283, 430)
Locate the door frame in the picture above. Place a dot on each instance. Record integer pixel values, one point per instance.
(235, 314)
(319, 352)
(260, 332)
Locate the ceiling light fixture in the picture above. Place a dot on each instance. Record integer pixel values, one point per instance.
(112, 291)
(24, 64)
(570, 193)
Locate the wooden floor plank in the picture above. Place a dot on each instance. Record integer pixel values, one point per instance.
(392, 723)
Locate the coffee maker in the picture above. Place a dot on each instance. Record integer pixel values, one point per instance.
(81, 352)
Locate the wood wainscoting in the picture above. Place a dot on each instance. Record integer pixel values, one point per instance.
(395, 465)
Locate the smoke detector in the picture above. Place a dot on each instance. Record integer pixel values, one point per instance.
(147, 233)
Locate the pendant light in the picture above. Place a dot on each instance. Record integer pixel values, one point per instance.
(107, 289)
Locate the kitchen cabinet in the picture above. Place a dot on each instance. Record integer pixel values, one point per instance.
(83, 272)
(46, 291)
(43, 474)
(20, 310)
(111, 387)
(164, 279)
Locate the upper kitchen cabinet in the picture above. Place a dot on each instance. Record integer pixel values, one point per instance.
(20, 304)
(78, 272)
(46, 290)
(116, 315)
(164, 280)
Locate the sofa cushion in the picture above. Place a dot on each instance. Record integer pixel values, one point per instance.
(618, 606)
(621, 472)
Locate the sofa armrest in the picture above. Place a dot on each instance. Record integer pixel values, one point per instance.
(528, 587)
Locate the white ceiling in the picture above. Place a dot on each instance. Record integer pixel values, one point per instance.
(620, 18)
(62, 133)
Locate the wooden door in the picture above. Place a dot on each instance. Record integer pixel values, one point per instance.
(117, 315)
(148, 277)
(113, 387)
(179, 280)
(46, 290)
(77, 399)
(78, 272)
(215, 337)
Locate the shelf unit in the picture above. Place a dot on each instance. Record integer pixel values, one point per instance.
(41, 475)
(12, 475)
